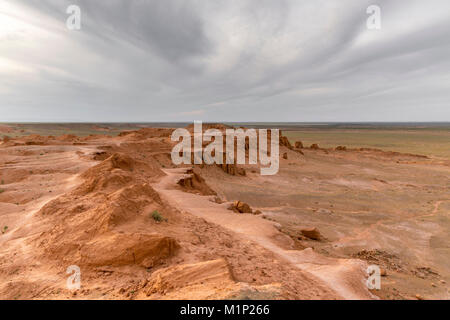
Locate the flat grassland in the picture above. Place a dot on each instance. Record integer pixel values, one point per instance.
(58, 129)
(427, 141)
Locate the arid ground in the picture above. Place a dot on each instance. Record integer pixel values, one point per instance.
(108, 199)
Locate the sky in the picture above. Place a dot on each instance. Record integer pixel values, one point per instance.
(224, 60)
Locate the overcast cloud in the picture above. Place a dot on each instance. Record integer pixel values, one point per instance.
(224, 60)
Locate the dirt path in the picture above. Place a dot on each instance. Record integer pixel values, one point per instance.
(344, 276)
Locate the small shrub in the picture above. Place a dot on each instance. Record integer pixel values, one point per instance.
(2, 190)
(157, 216)
(4, 229)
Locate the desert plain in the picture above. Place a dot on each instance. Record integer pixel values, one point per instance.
(108, 199)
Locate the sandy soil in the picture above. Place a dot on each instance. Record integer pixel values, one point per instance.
(387, 209)
(115, 207)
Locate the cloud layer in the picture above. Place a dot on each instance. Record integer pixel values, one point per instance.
(224, 60)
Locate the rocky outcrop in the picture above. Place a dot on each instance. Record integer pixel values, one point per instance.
(101, 155)
(299, 145)
(147, 250)
(175, 278)
(311, 233)
(240, 207)
(194, 182)
(203, 280)
(284, 141)
(232, 169)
